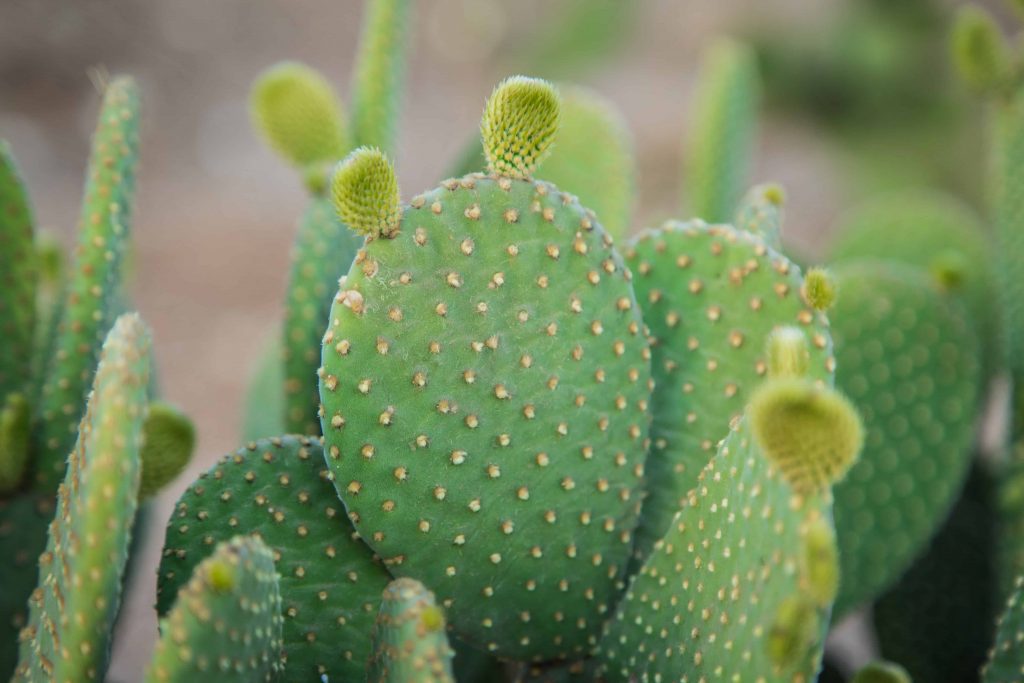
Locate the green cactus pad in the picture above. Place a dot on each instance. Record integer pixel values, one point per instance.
(932, 231)
(323, 252)
(723, 595)
(73, 609)
(226, 621)
(365, 192)
(169, 438)
(409, 640)
(882, 672)
(95, 280)
(519, 125)
(1008, 190)
(760, 213)
(299, 115)
(19, 269)
(711, 296)
(330, 582)
(722, 136)
(485, 387)
(14, 442)
(1006, 659)
(380, 72)
(908, 360)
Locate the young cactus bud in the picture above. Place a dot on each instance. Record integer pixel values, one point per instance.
(365, 192)
(409, 641)
(811, 433)
(760, 213)
(819, 290)
(882, 672)
(821, 562)
(519, 125)
(794, 631)
(979, 50)
(168, 441)
(297, 112)
(14, 441)
(788, 352)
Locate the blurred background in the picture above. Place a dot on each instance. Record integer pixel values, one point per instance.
(857, 99)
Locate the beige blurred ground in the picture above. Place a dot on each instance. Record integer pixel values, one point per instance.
(216, 211)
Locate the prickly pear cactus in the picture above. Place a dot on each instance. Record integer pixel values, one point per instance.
(409, 641)
(711, 295)
(226, 621)
(485, 387)
(1006, 660)
(909, 361)
(330, 581)
(741, 585)
(73, 609)
(95, 280)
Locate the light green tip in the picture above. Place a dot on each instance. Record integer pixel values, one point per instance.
(220, 575)
(819, 289)
(365, 192)
(882, 672)
(168, 441)
(14, 441)
(519, 125)
(980, 53)
(297, 112)
(812, 433)
(788, 352)
(793, 631)
(821, 562)
(950, 268)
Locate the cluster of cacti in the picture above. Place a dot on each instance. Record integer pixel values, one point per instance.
(507, 447)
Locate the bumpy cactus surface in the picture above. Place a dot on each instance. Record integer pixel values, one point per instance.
(409, 641)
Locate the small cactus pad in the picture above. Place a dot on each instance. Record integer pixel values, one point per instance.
(519, 125)
(980, 52)
(226, 621)
(365, 192)
(1008, 191)
(909, 362)
(95, 281)
(298, 113)
(485, 388)
(711, 296)
(760, 213)
(725, 595)
(409, 640)
(72, 611)
(18, 277)
(1006, 659)
(810, 433)
(323, 252)
(14, 441)
(882, 672)
(379, 72)
(819, 289)
(169, 438)
(279, 489)
(937, 233)
(721, 139)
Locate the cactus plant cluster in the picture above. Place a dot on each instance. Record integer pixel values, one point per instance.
(502, 438)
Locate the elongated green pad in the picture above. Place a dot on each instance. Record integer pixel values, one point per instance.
(722, 135)
(299, 115)
(727, 593)
(908, 360)
(1006, 659)
(18, 277)
(279, 489)
(711, 296)
(169, 437)
(380, 73)
(485, 388)
(323, 252)
(226, 621)
(14, 442)
(935, 232)
(72, 611)
(1008, 186)
(96, 276)
(409, 640)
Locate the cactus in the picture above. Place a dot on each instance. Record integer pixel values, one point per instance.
(168, 441)
(330, 581)
(409, 641)
(1004, 663)
(226, 621)
(380, 69)
(72, 612)
(908, 359)
(455, 438)
(882, 672)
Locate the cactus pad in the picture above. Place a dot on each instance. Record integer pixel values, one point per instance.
(711, 296)
(14, 441)
(72, 611)
(1006, 659)
(18, 277)
(409, 641)
(330, 583)
(226, 621)
(168, 440)
(365, 193)
(519, 125)
(485, 387)
(380, 70)
(909, 361)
